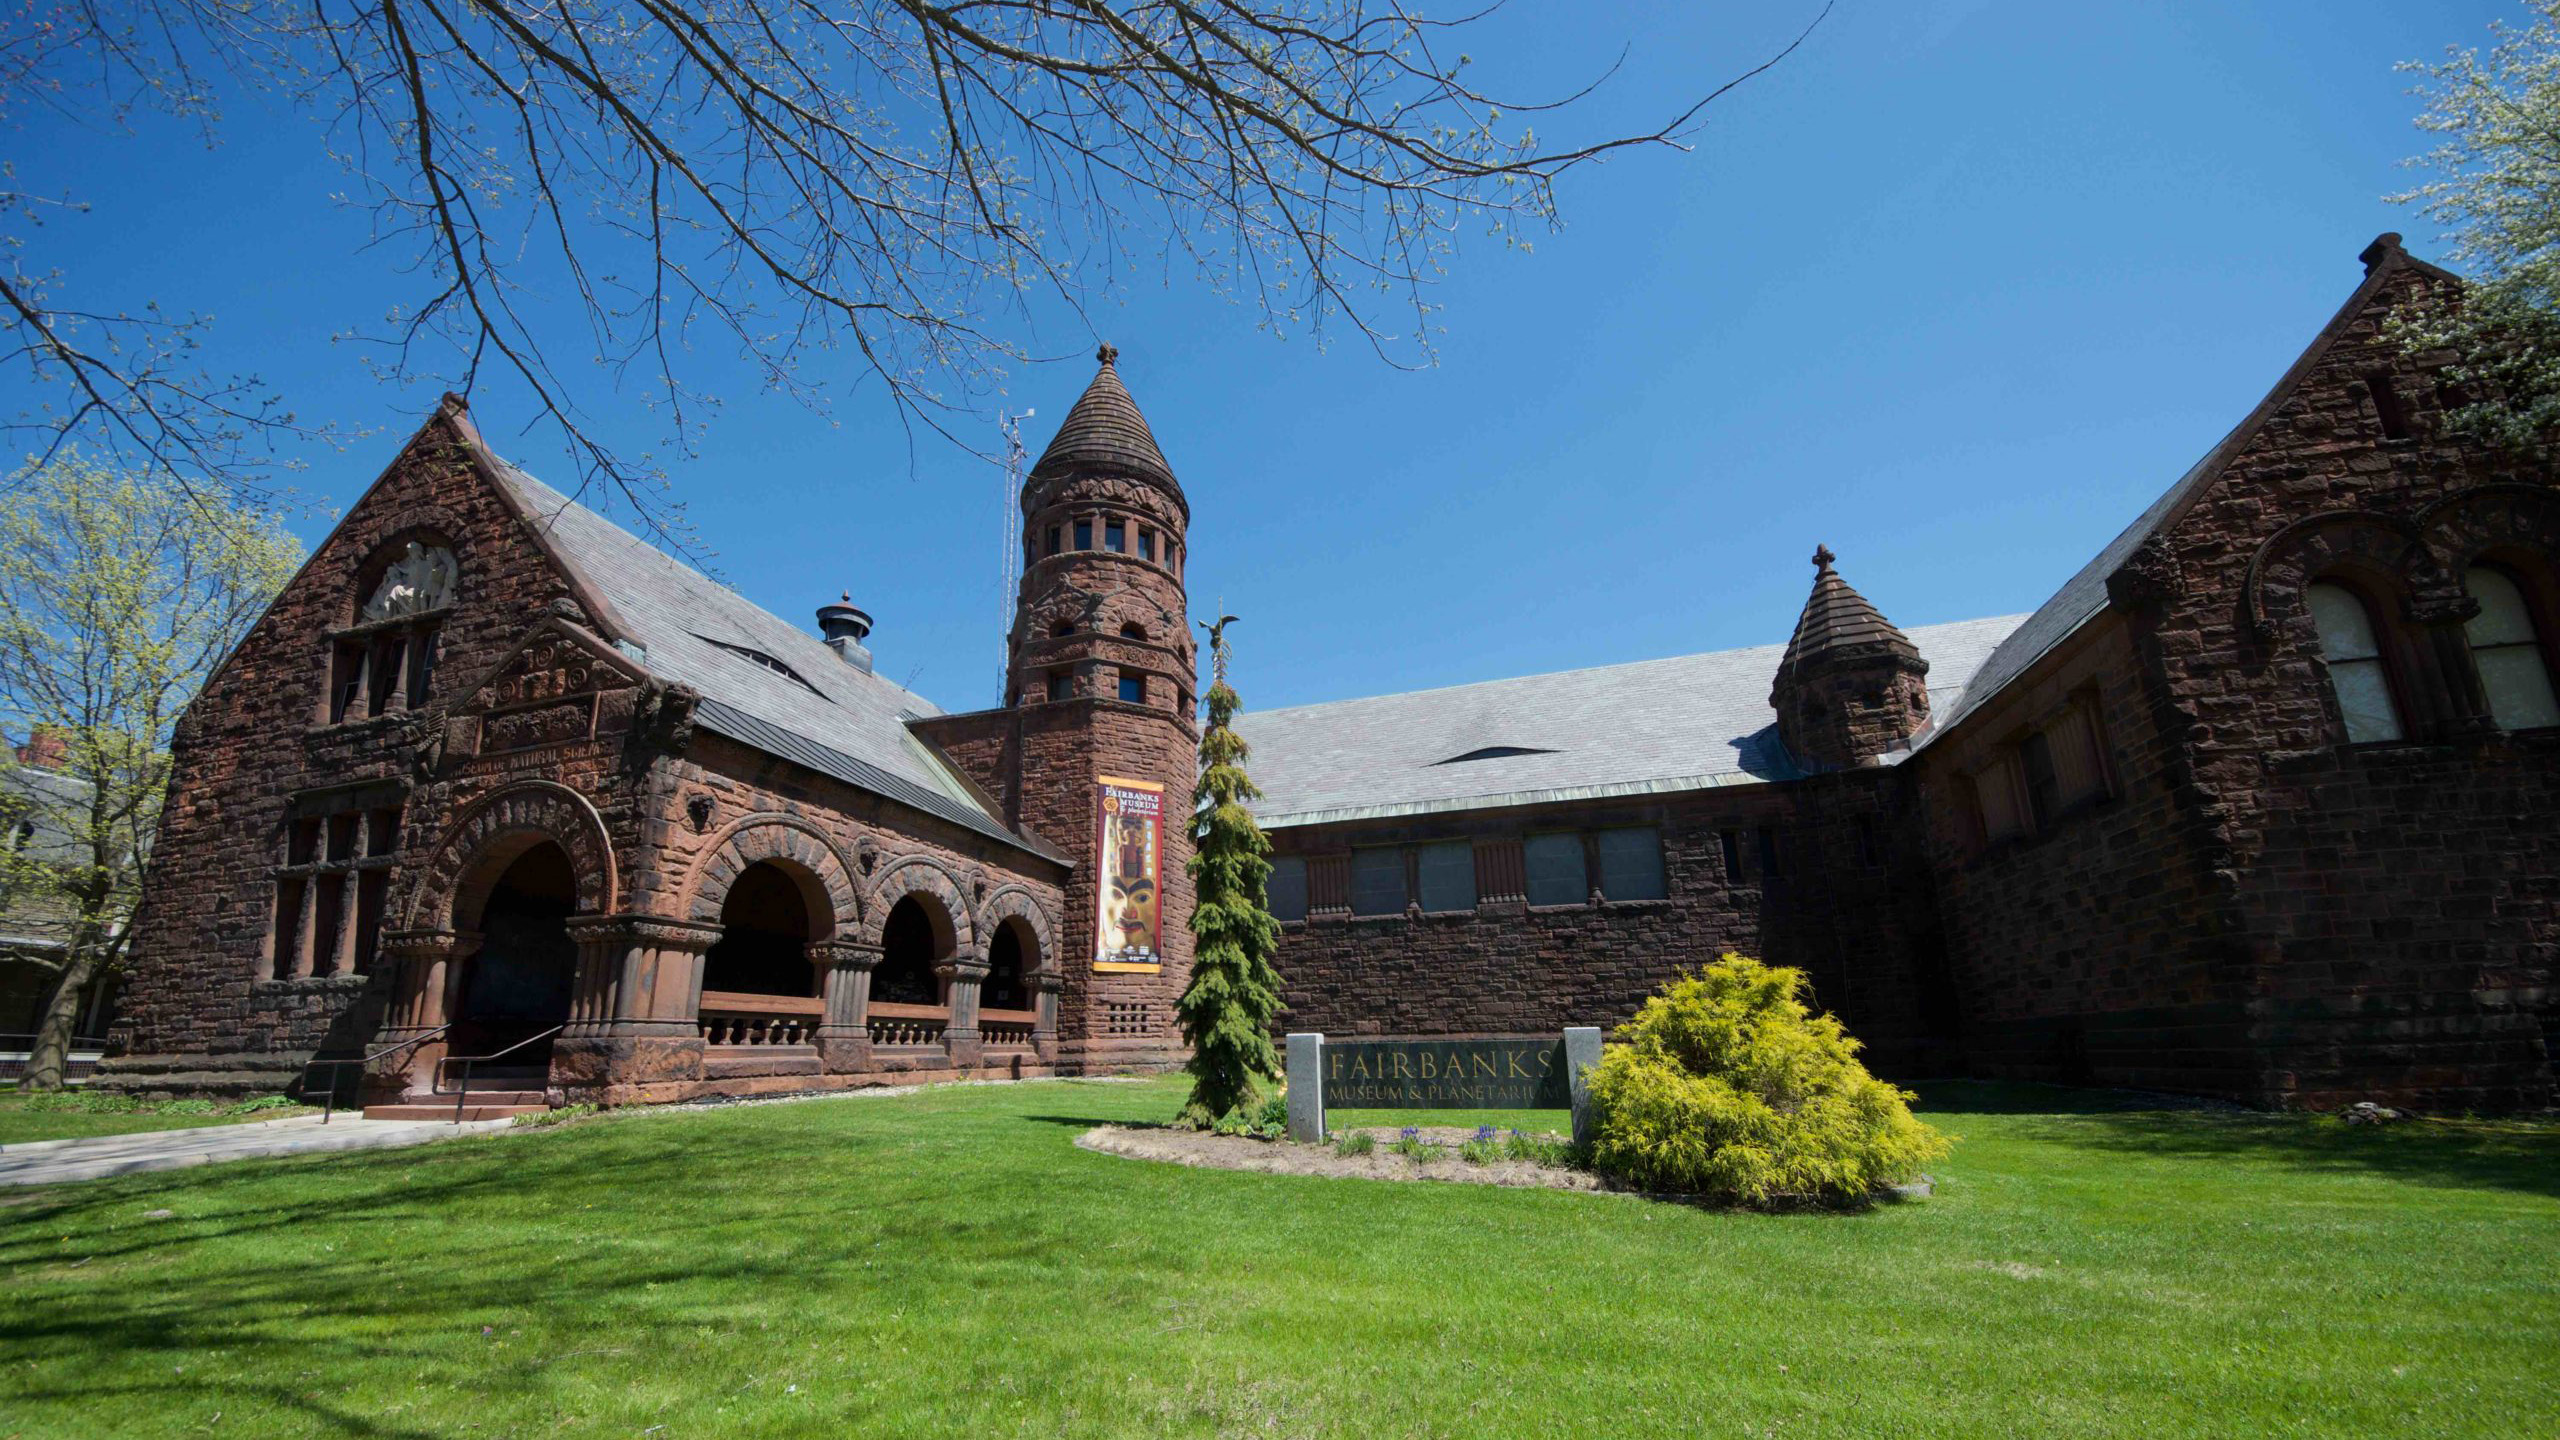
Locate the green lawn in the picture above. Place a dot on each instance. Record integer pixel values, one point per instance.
(67, 1115)
(950, 1264)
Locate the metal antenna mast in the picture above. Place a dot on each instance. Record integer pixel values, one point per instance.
(1010, 572)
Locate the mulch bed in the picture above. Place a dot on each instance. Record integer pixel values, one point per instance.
(1282, 1157)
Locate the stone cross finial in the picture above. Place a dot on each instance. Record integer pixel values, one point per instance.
(1109, 354)
(1822, 557)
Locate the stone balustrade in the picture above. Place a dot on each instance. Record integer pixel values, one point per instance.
(1007, 1027)
(908, 1024)
(730, 1017)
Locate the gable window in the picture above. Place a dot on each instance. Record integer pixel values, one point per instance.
(1554, 863)
(385, 662)
(1287, 887)
(332, 890)
(1447, 875)
(1377, 881)
(2350, 644)
(2044, 790)
(1631, 863)
(2388, 406)
(2513, 670)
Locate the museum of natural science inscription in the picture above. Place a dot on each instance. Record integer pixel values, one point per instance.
(1498, 1074)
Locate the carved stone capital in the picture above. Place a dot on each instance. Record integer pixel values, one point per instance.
(430, 944)
(644, 929)
(843, 954)
(1049, 982)
(2435, 610)
(961, 967)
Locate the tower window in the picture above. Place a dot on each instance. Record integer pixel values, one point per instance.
(1115, 536)
(1084, 534)
(2349, 643)
(2388, 405)
(2509, 655)
(1133, 688)
(1146, 543)
(1053, 539)
(1061, 684)
(1172, 561)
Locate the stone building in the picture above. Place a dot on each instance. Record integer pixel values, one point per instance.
(495, 781)
(2264, 803)
(2260, 804)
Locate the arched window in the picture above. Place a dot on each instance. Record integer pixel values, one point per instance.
(2508, 653)
(385, 663)
(1133, 631)
(2351, 643)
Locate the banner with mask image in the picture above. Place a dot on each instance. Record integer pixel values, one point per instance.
(1130, 858)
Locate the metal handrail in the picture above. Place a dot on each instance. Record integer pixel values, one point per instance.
(329, 1107)
(462, 1095)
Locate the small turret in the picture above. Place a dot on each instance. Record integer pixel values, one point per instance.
(1851, 687)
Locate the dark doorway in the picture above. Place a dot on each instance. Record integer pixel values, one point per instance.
(909, 944)
(764, 937)
(519, 983)
(1003, 989)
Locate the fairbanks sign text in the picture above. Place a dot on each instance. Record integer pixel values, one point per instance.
(1499, 1074)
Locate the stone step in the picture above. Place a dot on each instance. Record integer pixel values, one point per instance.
(478, 1108)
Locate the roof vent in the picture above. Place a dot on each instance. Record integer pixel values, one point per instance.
(845, 627)
(1494, 752)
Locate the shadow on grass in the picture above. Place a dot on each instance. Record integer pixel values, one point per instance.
(2520, 1155)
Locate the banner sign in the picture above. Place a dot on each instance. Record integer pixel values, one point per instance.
(1129, 861)
(1515, 1074)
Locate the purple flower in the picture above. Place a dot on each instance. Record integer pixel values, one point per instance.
(1412, 1132)
(1484, 1132)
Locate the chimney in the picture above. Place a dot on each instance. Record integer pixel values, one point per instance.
(46, 749)
(845, 626)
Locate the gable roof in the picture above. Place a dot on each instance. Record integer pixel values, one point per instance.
(2084, 596)
(1690, 722)
(833, 718)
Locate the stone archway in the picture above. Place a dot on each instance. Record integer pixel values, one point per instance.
(500, 826)
(791, 845)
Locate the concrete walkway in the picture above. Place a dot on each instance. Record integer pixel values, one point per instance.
(51, 1162)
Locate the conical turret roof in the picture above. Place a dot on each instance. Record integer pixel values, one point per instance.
(1105, 432)
(1839, 620)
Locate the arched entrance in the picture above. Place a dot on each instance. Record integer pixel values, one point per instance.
(1009, 956)
(765, 930)
(518, 984)
(912, 939)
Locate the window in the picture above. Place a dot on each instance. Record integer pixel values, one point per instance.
(2388, 406)
(2044, 792)
(1146, 544)
(1133, 688)
(1288, 887)
(1133, 631)
(1493, 752)
(1768, 852)
(2513, 670)
(1053, 539)
(2348, 643)
(1868, 854)
(1169, 561)
(1447, 872)
(1631, 864)
(1377, 881)
(1554, 863)
(1084, 534)
(1062, 684)
(1731, 842)
(761, 661)
(1115, 536)
(1995, 796)
(332, 890)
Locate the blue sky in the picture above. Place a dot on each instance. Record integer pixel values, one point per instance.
(1956, 290)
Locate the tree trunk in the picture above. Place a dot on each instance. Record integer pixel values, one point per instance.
(49, 1059)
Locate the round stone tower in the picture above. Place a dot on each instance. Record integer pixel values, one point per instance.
(1102, 675)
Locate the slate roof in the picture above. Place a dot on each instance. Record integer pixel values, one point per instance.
(1690, 722)
(1104, 431)
(844, 722)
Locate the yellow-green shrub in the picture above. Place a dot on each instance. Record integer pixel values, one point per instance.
(1726, 1085)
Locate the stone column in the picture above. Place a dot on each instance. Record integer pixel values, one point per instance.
(426, 989)
(632, 1016)
(960, 1041)
(1045, 988)
(844, 978)
(2446, 645)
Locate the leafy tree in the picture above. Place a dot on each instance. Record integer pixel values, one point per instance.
(1234, 994)
(2497, 192)
(119, 595)
(591, 187)
(1726, 1085)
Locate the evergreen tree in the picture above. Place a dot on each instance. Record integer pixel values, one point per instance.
(1226, 1013)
